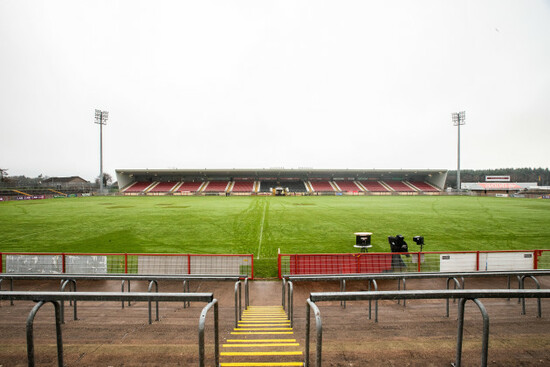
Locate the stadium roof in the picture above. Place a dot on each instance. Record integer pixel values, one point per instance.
(283, 172)
(126, 176)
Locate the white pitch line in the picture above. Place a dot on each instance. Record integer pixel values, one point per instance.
(261, 230)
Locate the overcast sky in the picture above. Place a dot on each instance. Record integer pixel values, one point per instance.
(261, 84)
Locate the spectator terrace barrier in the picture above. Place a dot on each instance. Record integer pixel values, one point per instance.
(56, 297)
(71, 279)
(373, 278)
(382, 262)
(462, 295)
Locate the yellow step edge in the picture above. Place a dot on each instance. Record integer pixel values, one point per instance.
(258, 325)
(249, 307)
(266, 316)
(262, 328)
(261, 340)
(262, 332)
(257, 345)
(261, 364)
(264, 311)
(269, 320)
(283, 316)
(261, 353)
(261, 321)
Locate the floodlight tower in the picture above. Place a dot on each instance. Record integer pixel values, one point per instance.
(101, 119)
(458, 119)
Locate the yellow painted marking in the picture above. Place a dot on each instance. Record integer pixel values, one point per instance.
(261, 364)
(264, 311)
(257, 325)
(265, 307)
(261, 332)
(266, 316)
(257, 329)
(270, 320)
(261, 340)
(256, 345)
(273, 322)
(261, 353)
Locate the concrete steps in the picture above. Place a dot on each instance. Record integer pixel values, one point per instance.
(262, 338)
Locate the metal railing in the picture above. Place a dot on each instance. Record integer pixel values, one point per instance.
(412, 262)
(372, 279)
(56, 297)
(462, 295)
(126, 263)
(71, 280)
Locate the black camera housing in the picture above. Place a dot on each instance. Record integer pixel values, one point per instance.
(419, 240)
(398, 244)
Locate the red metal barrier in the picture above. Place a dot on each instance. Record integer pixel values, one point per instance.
(301, 264)
(357, 263)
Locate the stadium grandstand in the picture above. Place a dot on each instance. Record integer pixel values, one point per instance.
(47, 188)
(280, 181)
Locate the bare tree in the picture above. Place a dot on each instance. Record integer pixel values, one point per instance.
(3, 173)
(107, 179)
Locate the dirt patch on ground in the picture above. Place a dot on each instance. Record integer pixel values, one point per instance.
(416, 335)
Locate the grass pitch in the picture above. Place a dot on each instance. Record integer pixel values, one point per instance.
(262, 225)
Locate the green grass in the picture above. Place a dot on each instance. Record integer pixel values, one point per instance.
(292, 224)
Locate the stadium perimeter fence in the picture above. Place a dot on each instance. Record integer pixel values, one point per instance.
(366, 263)
(127, 263)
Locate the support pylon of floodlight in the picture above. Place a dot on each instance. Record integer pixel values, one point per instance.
(101, 119)
(459, 118)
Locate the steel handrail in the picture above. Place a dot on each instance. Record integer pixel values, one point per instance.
(57, 297)
(461, 294)
(403, 276)
(127, 278)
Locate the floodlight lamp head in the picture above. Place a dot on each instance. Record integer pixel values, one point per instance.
(459, 118)
(101, 117)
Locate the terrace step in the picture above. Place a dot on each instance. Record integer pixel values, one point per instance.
(263, 337)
